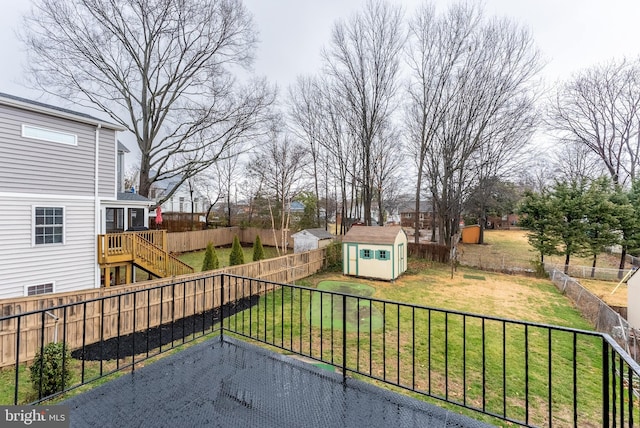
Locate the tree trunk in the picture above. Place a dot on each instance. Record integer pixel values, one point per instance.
(623, 259)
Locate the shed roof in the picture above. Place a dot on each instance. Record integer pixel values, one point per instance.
(372, 234)
(318, 233)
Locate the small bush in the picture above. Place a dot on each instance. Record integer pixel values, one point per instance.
(538, 268)
(258, 251)
(236, 257)
(334, 257)
(210, 261)
(49, 366)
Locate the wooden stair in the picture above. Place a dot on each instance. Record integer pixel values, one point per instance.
(146, 250)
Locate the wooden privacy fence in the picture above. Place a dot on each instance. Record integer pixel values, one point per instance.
(86, 317)
(182, 242)
(433, 252)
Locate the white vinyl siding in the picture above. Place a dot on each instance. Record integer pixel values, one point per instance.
(107, 167)
(30, 166)
(71, 266)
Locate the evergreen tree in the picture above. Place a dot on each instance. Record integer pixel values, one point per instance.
(538, 217)
(571, 203)
(210, 258)
(258, 251)
(602, 223)
(236, 257)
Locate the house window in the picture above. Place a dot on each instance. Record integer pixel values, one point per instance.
(33, 290)
(181, 204)
(366, 254)
(382, 255)
(49, 225)
(136, 218)
(114, 220)
(44, 134)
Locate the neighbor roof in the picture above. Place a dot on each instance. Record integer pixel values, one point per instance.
(318, 233)
(372, 234)
(24, 103)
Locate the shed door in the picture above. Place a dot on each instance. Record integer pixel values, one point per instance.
(352, 266)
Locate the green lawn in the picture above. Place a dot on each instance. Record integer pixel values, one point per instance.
(442, 353)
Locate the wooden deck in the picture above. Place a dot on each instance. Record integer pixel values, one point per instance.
(146, 250)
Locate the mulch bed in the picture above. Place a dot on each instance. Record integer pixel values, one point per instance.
(145, 341)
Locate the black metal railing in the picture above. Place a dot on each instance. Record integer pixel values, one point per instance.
(526, 373)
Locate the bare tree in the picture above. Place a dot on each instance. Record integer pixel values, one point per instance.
(305, 116)
(363, 63)
(160, 68)
(599, 108)
(278, 165)
(467, 91)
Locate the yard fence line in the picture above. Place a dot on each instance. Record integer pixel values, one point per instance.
(182, 242)
(506, 263)
(432, 252)
(119, 313)
(601, 315)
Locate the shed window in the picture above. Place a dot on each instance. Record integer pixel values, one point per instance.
(44, 134)
(382, 255)
(366, 254)
(49, 225)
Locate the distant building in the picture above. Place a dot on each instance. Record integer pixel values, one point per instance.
(311, 239)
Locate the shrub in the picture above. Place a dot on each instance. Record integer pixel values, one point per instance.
(210, 261)
(236, 257)
(49, 366)
(258, 251)
(334, 256)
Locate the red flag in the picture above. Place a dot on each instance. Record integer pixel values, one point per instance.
(158, 215)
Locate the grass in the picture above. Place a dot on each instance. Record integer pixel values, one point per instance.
(441, 353)
(195, 258)
(512, 246)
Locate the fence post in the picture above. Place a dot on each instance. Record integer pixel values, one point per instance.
(222, 306)
(344, 339)
(605, 384)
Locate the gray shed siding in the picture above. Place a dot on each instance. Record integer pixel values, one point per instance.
(42, 167)
(71, 266)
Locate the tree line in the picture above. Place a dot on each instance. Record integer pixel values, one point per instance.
(582, 218)
(427, 105)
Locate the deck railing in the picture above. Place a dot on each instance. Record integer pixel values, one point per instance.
(148, 249)
(524, 373)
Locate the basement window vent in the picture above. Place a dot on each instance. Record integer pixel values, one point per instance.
(34, 290)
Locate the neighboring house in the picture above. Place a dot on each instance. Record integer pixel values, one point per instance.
(311, 239)
(408, 215)
(58, 191)
(375, 252)
(182, 199)
(633, 298)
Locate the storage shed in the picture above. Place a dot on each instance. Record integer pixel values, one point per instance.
(311, 239)
(375, 252)
(471, 234)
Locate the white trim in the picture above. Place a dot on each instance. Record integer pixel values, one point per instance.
(33, 226)
(49, 130)
(77, 117)
(53, 288)
(45, 196)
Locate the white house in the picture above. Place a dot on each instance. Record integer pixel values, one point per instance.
(633, 298)
(311, 239)
(58, 192)
(375, 252)
(184, 199)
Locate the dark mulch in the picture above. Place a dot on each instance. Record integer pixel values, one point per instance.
(145, 341)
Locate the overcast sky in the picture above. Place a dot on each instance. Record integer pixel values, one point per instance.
(572, 34)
